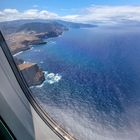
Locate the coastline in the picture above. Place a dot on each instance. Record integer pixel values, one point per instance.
(30, 46)
(40, 75)
(50, 78)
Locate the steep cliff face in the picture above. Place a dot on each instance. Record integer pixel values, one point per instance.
(32, 73)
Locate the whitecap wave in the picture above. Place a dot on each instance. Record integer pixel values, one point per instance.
(40, 86)
(52, 78)
(52, 42)
(18, 53)
(41, 62)
(31, 48)
(37, 50)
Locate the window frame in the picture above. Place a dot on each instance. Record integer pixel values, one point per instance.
(60, 132)
(5, 131)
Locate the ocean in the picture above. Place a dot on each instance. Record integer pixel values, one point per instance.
(92, 86)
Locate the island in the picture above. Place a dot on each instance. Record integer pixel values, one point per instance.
(21, 35)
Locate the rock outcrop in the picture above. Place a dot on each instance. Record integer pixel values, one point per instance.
(32, 73)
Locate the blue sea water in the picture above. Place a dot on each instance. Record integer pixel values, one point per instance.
(92, 86)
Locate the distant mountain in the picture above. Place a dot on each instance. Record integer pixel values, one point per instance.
(76, 25)
(52, 29)
(20, 34)
(39, 25)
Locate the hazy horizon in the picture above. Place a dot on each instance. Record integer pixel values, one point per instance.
(86, 12)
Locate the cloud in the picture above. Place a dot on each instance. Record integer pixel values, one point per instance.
(10, 11)
(109, 13)
(94, 13)
(13, 14)
(70, 17)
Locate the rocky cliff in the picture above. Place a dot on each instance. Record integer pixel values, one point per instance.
(32, 73)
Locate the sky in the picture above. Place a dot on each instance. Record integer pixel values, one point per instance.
(72, 10)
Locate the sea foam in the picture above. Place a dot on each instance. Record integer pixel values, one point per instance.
(52, 42)
(18, 53)
(52, 78)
